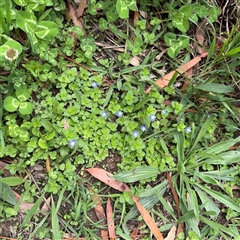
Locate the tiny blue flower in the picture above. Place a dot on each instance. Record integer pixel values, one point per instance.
(135, 134)
(164, 111)
(94, 85)
(208, 115)
(188, 129)
(72, 143)
(143, 128)
(152, 117)
(119, 113)
(104, 114)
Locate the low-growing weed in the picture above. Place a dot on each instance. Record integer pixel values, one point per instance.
(68, 102)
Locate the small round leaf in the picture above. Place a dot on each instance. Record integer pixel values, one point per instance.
(11, 104)
(25, 108)
(42, 143)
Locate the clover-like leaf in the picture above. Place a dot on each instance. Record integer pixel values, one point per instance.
(186, 9)
(103, 24)
(49, 136)
(169, 38)
(21, 3)
(13, 130)
(180, 21)
(174, 50)
(22, 94)
(11, 104)
(132, 4)
(122, 9)
(46, 29)
(42, 143)
(24, 135)
(25, 108)
(111, 16)
(26, 21)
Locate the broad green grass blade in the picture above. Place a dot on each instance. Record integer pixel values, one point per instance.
(193, 202)
(108, 96)
(163, 145)
(32, 211)
(208, 203)
(179, 138)
(137, 174)
(208, 179)
(224, 158)
(215, 87)
(55, 223)
(12, 181)
(188, 215)
(166, 206)
(6, 193)
(222, 146)
(202, 132)
(152, 191)
(223, 174)
(218, 227)
(229, 202)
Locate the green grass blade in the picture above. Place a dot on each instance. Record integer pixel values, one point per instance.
(212, 45)
(223, 174)
(218, 227)
(108, 97)
(132, 69)
(6, 193)
(202, 131)
(32, 211)
(166, 206)
(12, 181)
(229, 202)
(222, 146)
(179, 138)
(60, 198)
(215, 87)
(38, 226)
(224, 158)
(152, 191)
(55, 223)
(137, 174)
(233, 52)
(208, 203)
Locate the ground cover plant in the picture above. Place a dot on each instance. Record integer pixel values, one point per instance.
(137, 96)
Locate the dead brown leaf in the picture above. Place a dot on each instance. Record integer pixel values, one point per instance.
(106, 177)
(73, 16)
(81, 8)
(148, 220)
(110, 220)
(163, 81)
(172, 234)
